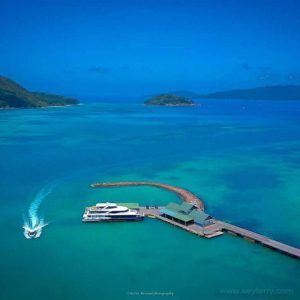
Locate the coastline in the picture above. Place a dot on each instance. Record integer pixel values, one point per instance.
(172, 105)
(40, 107)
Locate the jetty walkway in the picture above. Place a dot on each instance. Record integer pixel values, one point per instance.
(260, 239)
(212, 230)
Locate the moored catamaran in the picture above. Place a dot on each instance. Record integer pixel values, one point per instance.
(107, 212)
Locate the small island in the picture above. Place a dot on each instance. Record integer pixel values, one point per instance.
(13, 95)
(169, 100)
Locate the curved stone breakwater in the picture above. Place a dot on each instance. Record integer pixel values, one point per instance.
(184, 194)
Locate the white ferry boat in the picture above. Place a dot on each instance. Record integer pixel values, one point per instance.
(107, 212)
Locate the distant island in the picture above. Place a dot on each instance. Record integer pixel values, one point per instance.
(169, 100)
(185, 93)
(13, 95)
(275, 92)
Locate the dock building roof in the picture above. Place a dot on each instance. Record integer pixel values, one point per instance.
(176, 215)
(186, 212)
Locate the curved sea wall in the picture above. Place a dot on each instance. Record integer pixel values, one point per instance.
(184, 194)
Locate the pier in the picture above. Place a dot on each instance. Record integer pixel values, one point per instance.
(210, 231)
(216, 228)
(260, 239)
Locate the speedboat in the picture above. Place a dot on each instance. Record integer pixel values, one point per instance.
(107, 212)
(33, 232)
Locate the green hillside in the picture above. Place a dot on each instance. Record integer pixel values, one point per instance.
(276, 92)
(13, 95)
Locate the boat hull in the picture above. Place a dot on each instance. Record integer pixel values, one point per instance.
(113, 220)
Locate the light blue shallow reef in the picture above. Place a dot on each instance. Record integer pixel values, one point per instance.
(242, 158)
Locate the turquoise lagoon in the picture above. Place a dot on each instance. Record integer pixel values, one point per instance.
(241, 157)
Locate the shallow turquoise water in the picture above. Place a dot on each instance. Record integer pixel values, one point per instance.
(241, 158)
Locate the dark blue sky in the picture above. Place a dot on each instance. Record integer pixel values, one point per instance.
(142, 47)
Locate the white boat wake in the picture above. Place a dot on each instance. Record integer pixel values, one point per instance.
(34, 223)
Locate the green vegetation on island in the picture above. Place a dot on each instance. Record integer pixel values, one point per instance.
(169, 100)
(275, 92)
(13, 95)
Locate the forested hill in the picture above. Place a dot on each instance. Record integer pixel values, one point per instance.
(13, 95)
(276, 92)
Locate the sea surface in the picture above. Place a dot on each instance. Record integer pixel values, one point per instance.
(242, 158)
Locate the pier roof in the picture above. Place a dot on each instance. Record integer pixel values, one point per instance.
(173, 207)
(185, 212)
(199, 216)
(186, 207)
(176, 215)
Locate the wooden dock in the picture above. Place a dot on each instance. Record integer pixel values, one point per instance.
(261, 239)
(215, 229)
(209, 231)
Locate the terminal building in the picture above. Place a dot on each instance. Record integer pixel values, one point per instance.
(186, 214)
